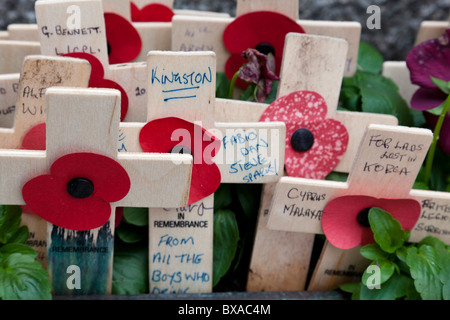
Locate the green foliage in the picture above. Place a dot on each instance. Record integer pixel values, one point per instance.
(406, 271)
(21, 276)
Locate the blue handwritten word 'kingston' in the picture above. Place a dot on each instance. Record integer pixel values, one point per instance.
(188, 83)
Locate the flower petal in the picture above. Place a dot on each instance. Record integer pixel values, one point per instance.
(427, 99)
(111, 181)
(204, 182)
(124, 41)
(47, 197)
(430, 59)
(154, 12)
(339, 218)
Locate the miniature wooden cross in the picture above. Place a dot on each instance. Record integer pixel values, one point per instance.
(12, 54)
(205, 33)
(387, 164)
(87, 120)
(181, 254)
(57, 38)
(431, 30)
(280, 260)
(38, 74)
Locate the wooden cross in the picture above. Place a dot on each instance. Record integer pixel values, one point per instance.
(9, 87)
(23, 32)
(38, 74)
(387, 164)
(57, 38)
(181, 256)
(431, 30)
(12, 54)
(87, 120)
(205, 33)
(280, 260)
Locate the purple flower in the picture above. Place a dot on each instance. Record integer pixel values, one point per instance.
(259, 70)
(429, 59)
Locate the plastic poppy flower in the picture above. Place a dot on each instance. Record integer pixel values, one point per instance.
(264, 31)
(124, 42)
(259, 70)
(97, 79)
(77, 193)
(163, 136)
(345, 220)
(429, 59)
(314, 144)
(153, 12)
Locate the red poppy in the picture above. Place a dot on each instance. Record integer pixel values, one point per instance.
(76, 195)
(153, 12)
(124, 42)
(97, 79)
(345, 219)
(261, 30)
(34, 139)
(163, 136)
(314, 144)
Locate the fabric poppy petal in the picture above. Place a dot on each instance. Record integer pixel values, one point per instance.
(426, 99)
(340, 224)
(430, 59)
(124, 41)
(154, 12)
(330, 144)
(298, 106)
(35, 138)
(111, 181)
(47, 197)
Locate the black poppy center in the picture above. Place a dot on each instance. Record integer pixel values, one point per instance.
(181, 150)
(80, 188)
(363, 218)
(265, 48)
(109, 48)
(302, 140)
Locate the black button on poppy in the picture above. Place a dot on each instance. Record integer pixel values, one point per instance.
(181, 150)
(363, 218)
(302, 140)
(265, 48)
(80, 188)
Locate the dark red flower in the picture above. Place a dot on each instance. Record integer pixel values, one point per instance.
(429, 59)
(153, 12)
(124, 42)
(261, 30)
(163, 136)
(259, 70)
(345, 219)
(314, 144)
(76, 195)
(97, 79)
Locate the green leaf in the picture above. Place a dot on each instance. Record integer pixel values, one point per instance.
(272, 96)
(130, 233)
(386, 269)
(353, 288)
(226, 237)
(425, 272)
(223, 196)
(369, 59)
(380, 95)
(373, 252)
(222, 85)
(398, 286)
(136, 216)
(130, 271)
(24, 278)
(387, 231)
(444, 86)
(350, 99)
(10, 217)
